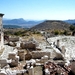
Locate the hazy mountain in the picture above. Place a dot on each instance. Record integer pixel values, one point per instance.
(51, 25)
(70, 21)
(20, 22)
(27, 23)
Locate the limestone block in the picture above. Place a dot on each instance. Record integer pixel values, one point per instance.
(28, 45)
(14, 63)
(28, 56)
(22, 46)
(39, 54)
(58, 56)
(21, 55)
(13, 39)
(11, 56)
(12, 44)
(31, 45)
(3, 62)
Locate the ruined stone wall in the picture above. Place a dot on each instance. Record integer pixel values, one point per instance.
(21, 55)
(28, 45)
(39, 54)
(13, 39)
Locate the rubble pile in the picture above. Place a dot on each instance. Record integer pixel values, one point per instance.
(50, 68)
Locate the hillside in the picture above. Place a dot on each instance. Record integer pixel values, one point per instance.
(52, 24)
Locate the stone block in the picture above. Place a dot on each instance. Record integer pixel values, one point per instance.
(39, 54)
(11, 56)
(21, 55)
(3, 62)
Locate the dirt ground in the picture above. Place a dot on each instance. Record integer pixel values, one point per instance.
(38, 70)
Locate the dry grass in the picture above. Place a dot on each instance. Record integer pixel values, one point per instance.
(37, 37)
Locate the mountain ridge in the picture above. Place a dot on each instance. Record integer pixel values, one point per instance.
(52, 25)
(29, 23)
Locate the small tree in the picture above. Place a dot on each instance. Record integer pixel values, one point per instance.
(65, 32)
(56, 32)
(73, 33)
(72, 27)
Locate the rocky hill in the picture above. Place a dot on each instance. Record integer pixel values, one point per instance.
(51, 25)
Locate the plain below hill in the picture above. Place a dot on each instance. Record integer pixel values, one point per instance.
(52, 25)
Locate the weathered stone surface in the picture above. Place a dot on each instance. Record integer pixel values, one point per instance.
(22, 46)
(3, 62)
(11, 56)
(28, 56)
(13, 39)
(21, 55)
(58, 56)
(39, 54)
(14, 63)
(14, 59)
(28, 45)
(12, 44)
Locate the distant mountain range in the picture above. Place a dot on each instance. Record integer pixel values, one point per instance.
(27, 24)
(70, 21)
(21, 22)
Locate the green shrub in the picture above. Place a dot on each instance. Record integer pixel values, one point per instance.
(65, 32)
(56, 32)
(72, 27)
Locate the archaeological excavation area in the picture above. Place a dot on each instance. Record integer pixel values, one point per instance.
(52, 56)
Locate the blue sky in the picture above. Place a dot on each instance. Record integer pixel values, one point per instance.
(38, 9)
